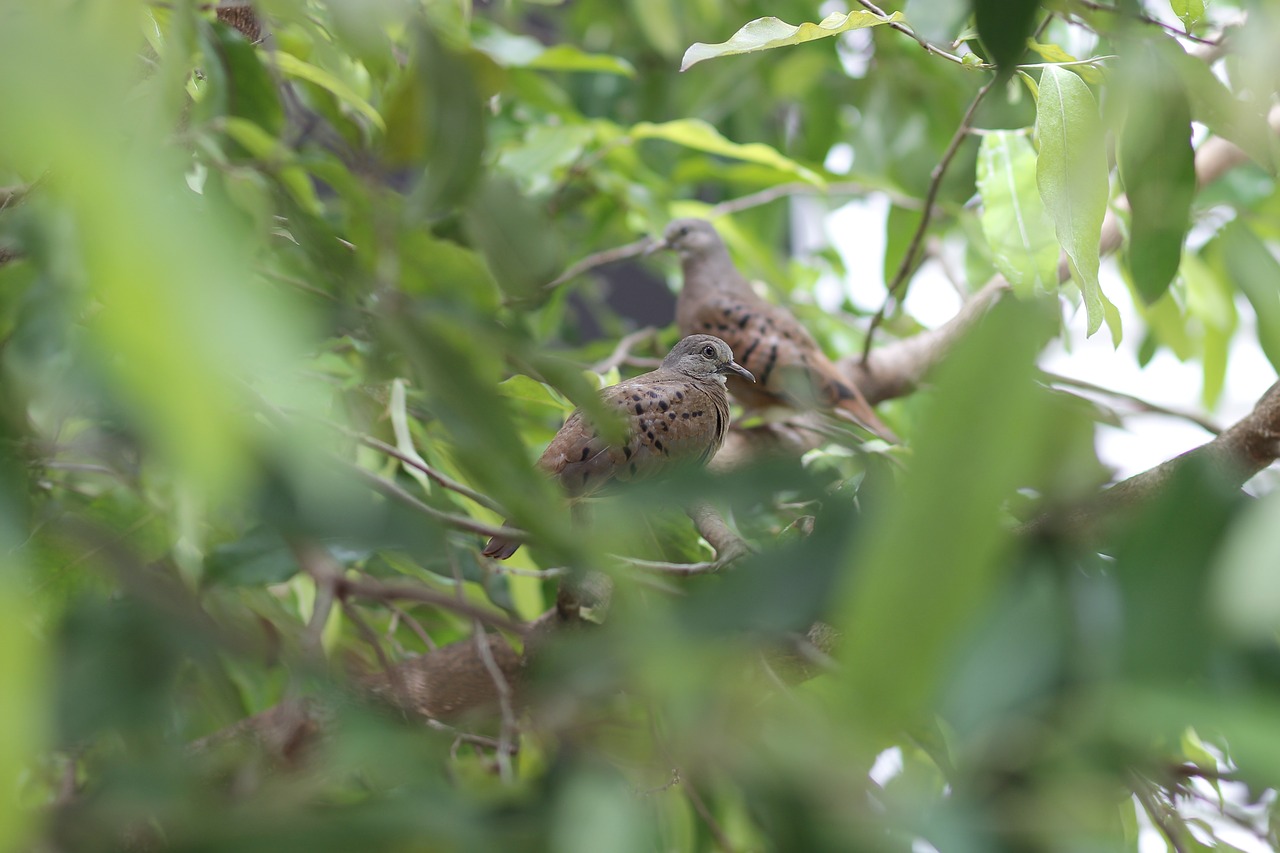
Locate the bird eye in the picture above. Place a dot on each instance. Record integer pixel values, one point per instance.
(684, 229)
(709, 351)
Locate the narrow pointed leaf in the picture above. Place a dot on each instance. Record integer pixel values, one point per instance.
(1071, 173)
(768, 33)
(1157, 166)
(701, 136)
(1003, 26)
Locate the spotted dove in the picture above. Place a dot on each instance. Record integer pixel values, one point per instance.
(791, 369)
(677, 414)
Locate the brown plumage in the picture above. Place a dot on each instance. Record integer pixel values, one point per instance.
(790, 368)
(677, 414)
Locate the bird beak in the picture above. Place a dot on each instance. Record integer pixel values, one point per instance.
(734, 367)
(655, 247)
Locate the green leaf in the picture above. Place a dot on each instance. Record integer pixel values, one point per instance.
(1157, 166)
(239, 85)
(529, 390)
(23, 705)
(769, 33)
(1014, 219)
(899, 227)
(262, 557)
(296, 68)
(515, 238)
(1071, 173)
(1256, 273)
(959, 451)
(701, 136)
(1209, 300)
(1190, 11)
(1003, 26)
(1053, 53)
(1213, 104)
(519, 51)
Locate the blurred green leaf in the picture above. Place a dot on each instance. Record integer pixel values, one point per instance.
(1157, 166)
(512, 234)
(1190, 11)
(261, 557)
(1014, 219)
(932, 554)
(239, 85)
(292, 66)
(1071, 172)
(770, 33)
(1213, 104)
(23, 708)
(1004, 26)
(1255, 272)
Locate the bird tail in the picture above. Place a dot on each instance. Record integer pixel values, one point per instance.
(852, 406)
(499, 548)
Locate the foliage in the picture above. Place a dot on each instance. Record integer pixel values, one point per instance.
(284, 327)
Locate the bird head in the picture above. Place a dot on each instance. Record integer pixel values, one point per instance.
(704, 357)
(688, 237)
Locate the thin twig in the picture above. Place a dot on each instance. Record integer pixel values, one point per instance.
(1137, 402)
(392, 672)
(508, 733)
(935, 184)
(414, 625)
(623, 350)
(494, 567)
(725, 208)
(365, 587)
(468, 737)
(907, 31)
(1146, 19)
(417, 464)
(459, 522)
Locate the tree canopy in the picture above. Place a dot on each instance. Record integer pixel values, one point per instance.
(293, 294)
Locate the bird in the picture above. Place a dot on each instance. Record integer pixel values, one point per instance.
(792, 369)
(675, 415)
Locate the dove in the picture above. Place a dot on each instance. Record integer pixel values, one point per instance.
(790, 367)
(675, 415)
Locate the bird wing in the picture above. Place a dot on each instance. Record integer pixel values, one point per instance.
(668, 419)
(788, 364)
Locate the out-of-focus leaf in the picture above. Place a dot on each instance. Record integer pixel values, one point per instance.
(261, 557)
(701, 136)
(519, 51)
(530, 390)
(239, 85)
(1004, 26)
(1014, 219)
(1209, 299)
(1213, 104)
(899, 227)
(1157, 166)
(769, 33)
(539, 159)
(439, 119)
(512, 234)
(1246, 588)
(1256, 273)
(1190, 11)
(945, 578)
(658, 20)
(23, 700)
(296, 68)
(1071, 173)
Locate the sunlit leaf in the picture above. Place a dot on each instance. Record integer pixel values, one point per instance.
(1255, 272)
(295, 67)
(1014, 219)
(701, 136)
(1071, 172)
(769, 33)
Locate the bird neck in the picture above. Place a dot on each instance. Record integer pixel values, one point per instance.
(710, 271)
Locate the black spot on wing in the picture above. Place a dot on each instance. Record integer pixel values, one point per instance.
(639, 408)
(742, 324)
(769, 365)
(746, 353)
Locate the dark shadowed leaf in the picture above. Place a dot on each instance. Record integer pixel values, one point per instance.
(1157, 166)
(1003, 26)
